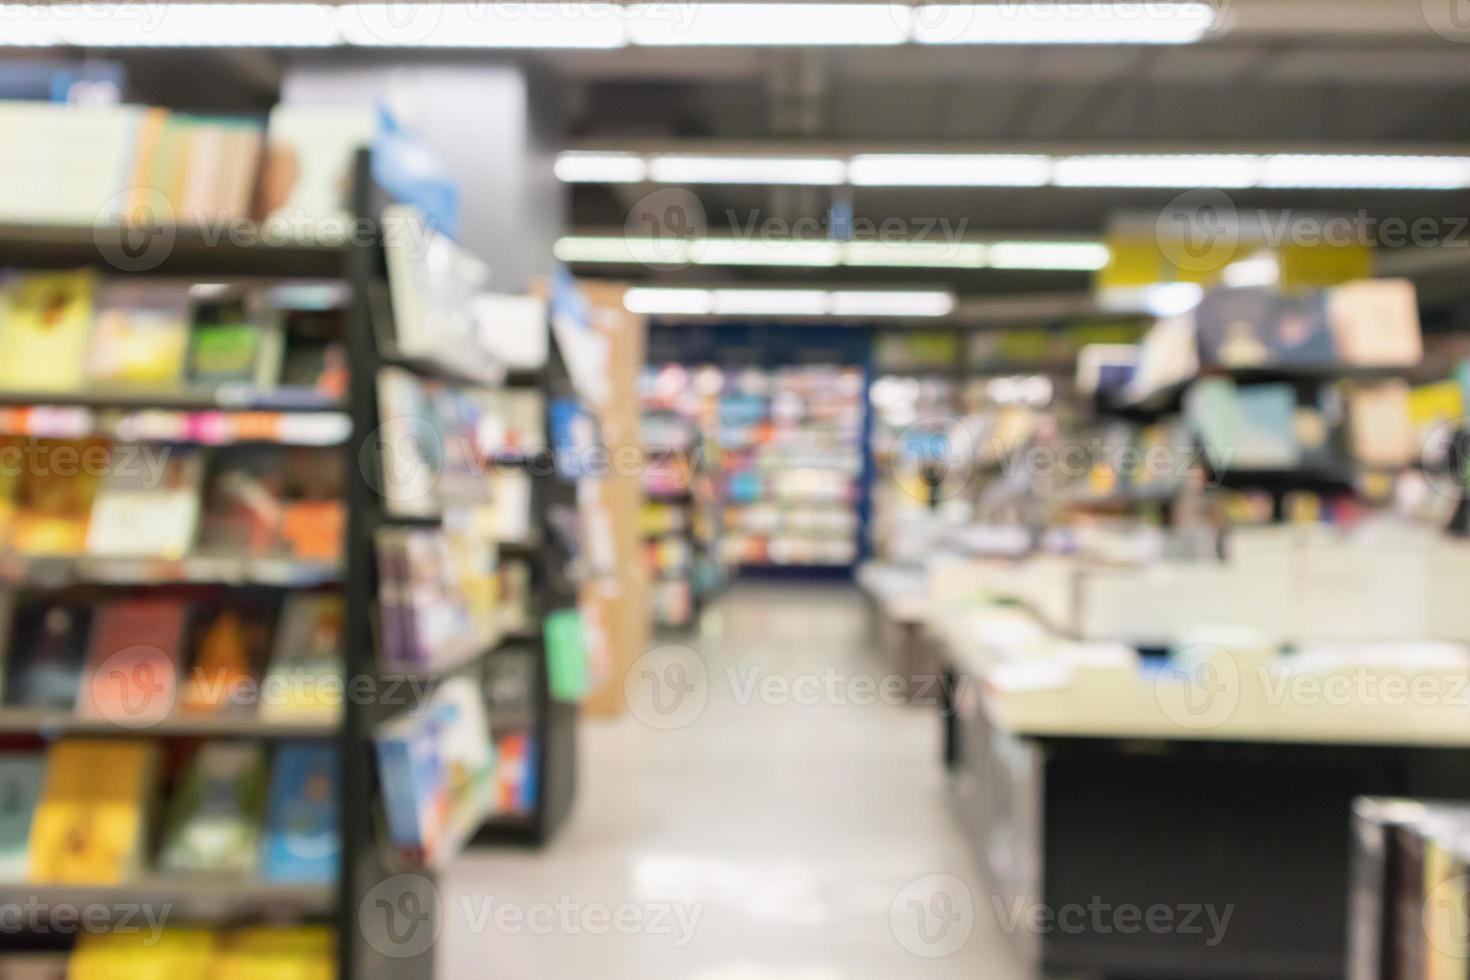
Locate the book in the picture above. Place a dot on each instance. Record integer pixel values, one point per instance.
(232, 342)
(143, 954)
(90, 825)
(12, 462)
(215, 817)
(412, 447)
(133, 662)
(230, 647)
(1375, 323)
(54, 495)
(1381, 432)
(243, 509)
(308, 164)
(277, 953)
(73, 159)
(301, 841)
(415, 800)
(45, 327)
(1237, 326)
(141, 336)
(139, 513)
(433, 283)
(303, 681)
(21, 774)
(47, 649)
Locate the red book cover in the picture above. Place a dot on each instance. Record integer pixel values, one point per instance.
(132, 672)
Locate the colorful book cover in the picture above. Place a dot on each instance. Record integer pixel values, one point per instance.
(141, 954)
(230, 648)
(277, 953)
(242, 515)
(54, 496)
(305, 675)
(413, 781)
(214, 819)
(90, 825)
(566, 655)
(466, 753)
(233, 344)
(45, 327)
(141, 337)
(47, 649)
(21, 774)
(301, 840)
(142, 514)
(133, 662)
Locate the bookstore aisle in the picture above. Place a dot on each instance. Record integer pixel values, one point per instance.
(765, 839)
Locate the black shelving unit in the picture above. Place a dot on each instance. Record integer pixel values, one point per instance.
(364, 862)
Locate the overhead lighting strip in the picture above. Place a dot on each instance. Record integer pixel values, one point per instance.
(1230, 171)
(754, 302)
(1055, 255)
(597, 24)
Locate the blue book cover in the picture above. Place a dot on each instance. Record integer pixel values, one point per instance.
(302, 842)
(21, 775)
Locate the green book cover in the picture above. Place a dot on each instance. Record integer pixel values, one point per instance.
(21, 775)
(214, 820)
(566, 656)
(225, 352)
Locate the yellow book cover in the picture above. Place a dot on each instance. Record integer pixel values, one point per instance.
(45, 329)
(277, 953)
(10, 467)
(53, 495)
(143, 955)
(90, 823)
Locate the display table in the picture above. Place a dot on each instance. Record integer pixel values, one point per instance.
(898, 605)
(1114, 812)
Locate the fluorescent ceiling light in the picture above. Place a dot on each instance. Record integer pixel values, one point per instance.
(906, 303)
(1053, 256)
(917, 255)
(576, 167)
(27, 26)
(1158, 170)
(625, 251)
(617, 250)
(715, 251)
(746, 170)
(789, 302)
(770, 302)
(1062, 23)
(1228, 170)
(482, 25)
(213, 25)
(651, 300)
(679, 25)
(1366, 172)
(948, 170)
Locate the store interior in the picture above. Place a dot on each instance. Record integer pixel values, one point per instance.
(735, 490)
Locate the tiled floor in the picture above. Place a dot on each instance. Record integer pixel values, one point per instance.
(763, 815)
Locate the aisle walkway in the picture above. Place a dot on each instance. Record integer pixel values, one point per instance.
(751, 835)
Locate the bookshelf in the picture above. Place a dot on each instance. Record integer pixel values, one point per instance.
(349, 426)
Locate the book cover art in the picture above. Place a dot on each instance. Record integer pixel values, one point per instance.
(242, 514)
(277, 953)
(305, 674)
(566, 655)
(229, 648)
(301, 841)
(231, 343)
(215, 817)
(91, 822)
(141, 337)
(143, 513)
(143, 954)
(54, 494)
(45, 326)
(48, 646)
(1237, 327)
(1376, 322)
(413, 781)
(133, 662)
(21, 775)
